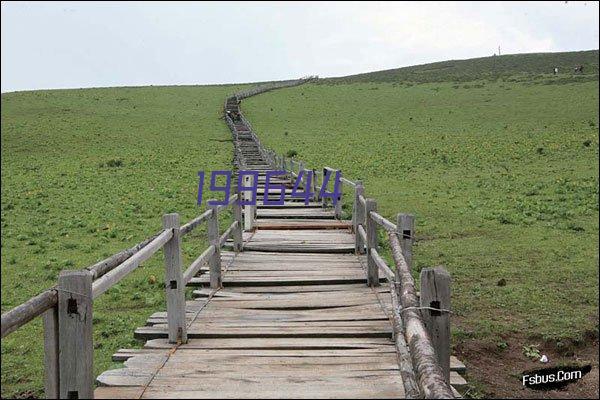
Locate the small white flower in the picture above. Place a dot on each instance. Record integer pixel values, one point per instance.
(544, 359)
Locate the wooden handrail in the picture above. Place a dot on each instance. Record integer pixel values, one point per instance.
(103, 284)
(429, 373)
(348, 182)
(381, 264)
(25, 312)
(363, 234)
(388, 226)
(187, 228)
(223, 238)
(198, 263)
(363, 200)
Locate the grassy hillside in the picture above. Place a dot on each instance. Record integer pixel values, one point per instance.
(86, 173)
(492, 68)
(502, 177)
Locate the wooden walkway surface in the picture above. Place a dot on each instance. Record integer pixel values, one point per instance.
(294, 319)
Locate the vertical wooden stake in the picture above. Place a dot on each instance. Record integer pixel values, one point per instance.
(51, 345)
(76, 355)
(249, 210)
(315, 188)
(406, 234)
(216, 280)
(358, 217)
(338, 204)
(324, 199)
(237, 216)
(435, 293)
(174, 286)
(371, 228)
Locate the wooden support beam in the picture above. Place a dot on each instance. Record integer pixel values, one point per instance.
(432, 383)
(358, 218)
(371, 228)
(51, 346)
(216, 280)
(76, 354)
(237, 216)
(174, 285)
(338, 204)
(406, 233)
(435, 294)
(249, 211)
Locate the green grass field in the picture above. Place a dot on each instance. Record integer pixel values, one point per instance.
(85, 174)
(500, 169)
(502, 176)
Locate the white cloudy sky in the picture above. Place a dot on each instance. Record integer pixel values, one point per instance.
(66, 45)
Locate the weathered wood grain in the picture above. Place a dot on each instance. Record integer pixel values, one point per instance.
(174, 281)
(75, 355)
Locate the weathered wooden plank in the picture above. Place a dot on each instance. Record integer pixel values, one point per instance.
(430, 376)
(174, 284)
(102, 284)
(23, 313)
(295, 213)
(435, 294)
(313, 330)
(75, 334)
(268, 344)
(51, 354)
(371, 242)
(216, 279)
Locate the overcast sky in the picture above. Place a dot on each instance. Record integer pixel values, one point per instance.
(69, 45)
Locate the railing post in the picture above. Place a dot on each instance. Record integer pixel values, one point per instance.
(249, 210)
(76, 354)
(315, 188)
(406, 234)
(354, 205)
(371, 229)
(338, 204)
(174, 286)
(237, 216)
(215, 260)
(323, 199)
(359, 218)
(51, 345)
(435, 293)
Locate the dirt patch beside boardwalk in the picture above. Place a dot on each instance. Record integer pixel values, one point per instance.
(497, 373)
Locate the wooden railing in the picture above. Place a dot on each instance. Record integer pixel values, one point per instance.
(273, 85)
(67, 308)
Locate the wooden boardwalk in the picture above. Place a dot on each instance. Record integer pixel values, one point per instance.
(294, 317)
